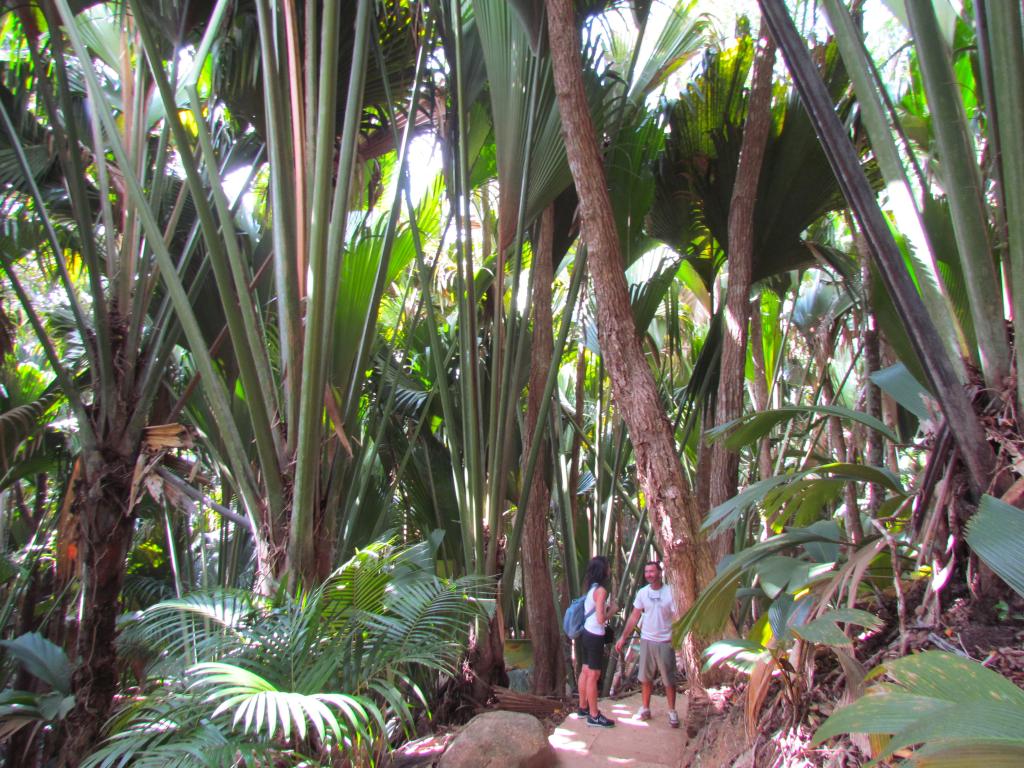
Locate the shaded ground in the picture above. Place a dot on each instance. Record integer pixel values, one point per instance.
(717, 729)
(631, 743)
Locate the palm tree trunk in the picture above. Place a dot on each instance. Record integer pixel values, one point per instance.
(545, 634)
(271, 563)
(105, 532)
(837, 445)
(669, 500)
(729, 405)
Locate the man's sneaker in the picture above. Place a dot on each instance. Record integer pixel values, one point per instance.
(643, 714)
(600, 721)
(582, 712)
(673, 718)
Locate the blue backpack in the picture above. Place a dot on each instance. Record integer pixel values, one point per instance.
(575, 618)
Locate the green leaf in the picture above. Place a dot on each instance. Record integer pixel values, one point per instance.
(951, 677)
(42, 659)
(761, 632)
(780, 615)
(853, 616)
(710, 610)
(742, 653)
(826, 548)
(745, 430)
(648, 281)
(55, 705)
(100, 28)
(679, 38)
(906, 390)
(775, 573)
(938, 700)
(822, 633)
(726, 514)
(8, 568)
(825, 630)
(970, 755)
(882, 712)
(21, 422)
(866, 473)
(973, 721)
(812, 499)
(996, 533)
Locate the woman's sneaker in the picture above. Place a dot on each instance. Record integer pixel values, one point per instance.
(582, 712)
(600, 721)
(673, 718)
(643, 714)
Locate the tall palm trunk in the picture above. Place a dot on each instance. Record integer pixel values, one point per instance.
(669, 500)
(105, 533)
(545, 634)
(102, 508)
(725, 463)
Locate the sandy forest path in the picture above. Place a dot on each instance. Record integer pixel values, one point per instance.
(631, 743)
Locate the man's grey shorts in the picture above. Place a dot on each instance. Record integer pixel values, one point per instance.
(659, 657)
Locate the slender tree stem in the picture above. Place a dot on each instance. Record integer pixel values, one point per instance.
(669, 499)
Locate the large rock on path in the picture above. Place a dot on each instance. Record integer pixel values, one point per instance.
(500, 740)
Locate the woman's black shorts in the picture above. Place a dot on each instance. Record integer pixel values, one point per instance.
(592, 649)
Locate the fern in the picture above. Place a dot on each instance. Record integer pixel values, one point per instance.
(302, 679)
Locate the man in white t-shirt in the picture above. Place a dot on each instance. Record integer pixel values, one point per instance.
(654, 602)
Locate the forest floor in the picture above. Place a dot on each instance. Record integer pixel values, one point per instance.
(722, 730)
(632, 742)
(720, 727)
(713, 735)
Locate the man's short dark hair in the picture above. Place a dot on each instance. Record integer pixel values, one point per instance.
(655, 563)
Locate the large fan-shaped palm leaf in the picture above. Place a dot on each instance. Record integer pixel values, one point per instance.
(696, 173)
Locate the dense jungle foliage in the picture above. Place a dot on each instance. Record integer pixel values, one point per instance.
(337, 337)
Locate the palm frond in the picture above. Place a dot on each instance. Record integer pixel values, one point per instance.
(257, 705)
(679, 39)
(327, 669)
(21, 422)
(695, 175)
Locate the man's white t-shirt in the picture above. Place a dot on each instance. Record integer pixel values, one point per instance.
(659, 610)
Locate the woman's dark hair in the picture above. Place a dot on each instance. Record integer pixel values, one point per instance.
(597, 572)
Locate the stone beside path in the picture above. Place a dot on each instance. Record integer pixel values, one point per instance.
(631, 743)
(500, 739)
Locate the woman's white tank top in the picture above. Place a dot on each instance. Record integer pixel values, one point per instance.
(591, 624)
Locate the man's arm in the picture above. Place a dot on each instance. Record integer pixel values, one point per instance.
(634, 617)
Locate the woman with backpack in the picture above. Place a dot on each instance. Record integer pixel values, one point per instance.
(598, 608)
